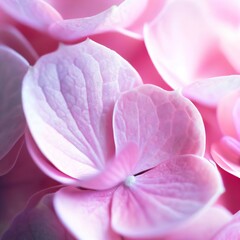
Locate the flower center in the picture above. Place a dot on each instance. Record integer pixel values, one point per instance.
(130, 180)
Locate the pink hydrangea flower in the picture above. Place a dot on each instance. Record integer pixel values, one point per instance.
(136, 148)
(72, 20)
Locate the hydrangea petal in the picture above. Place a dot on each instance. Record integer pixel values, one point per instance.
(85, 213)
(210, 91)
(230, 230)
(37, 221)
(135, 52)
(236, 115)
(203, 227)
(165, 196)
(46, 166)
(162, 124)
(75, 19)
(226, 112)
(183, 44)
(34, 13)
(113, 18)
(72, 94)
(226, 154)
(12, 122)
(116, 171)
(12, 38)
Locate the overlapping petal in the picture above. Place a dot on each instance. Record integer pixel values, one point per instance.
(162, 124)
(226, 150)
(12, 121)
(35, 13)
(230, 230)
(11, 37)
(210, 91)
(184, 45)
(73, 20)
(37, 221)
(72, 94)
(86, 213)
(163, 197)
(203, 227)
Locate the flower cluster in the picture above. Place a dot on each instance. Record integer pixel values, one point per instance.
(119, 119)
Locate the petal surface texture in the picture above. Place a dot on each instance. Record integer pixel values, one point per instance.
(155, 202)
(68, 99)
(12, 123)
(85, 213)
(162, 124)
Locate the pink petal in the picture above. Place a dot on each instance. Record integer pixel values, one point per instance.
(227, 113)
(204, 226)
(226, 154)
(183, 44)
(134, 51)
(210, 91)
(34, 13)
(152, 9)
(230, 230)
(18, 185)
(12, 38)
(116, 171)
(12, 122)
(227, 15)
(162, 124)
(115, 17)
(45, 165)
(75, 19)
(156, 202)
(72, 94)
(37, 221)
(85, 213)
(236, 115)
(226, 12)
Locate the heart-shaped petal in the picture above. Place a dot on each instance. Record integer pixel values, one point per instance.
(73, 92)
(162, 124)
(155, 202)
